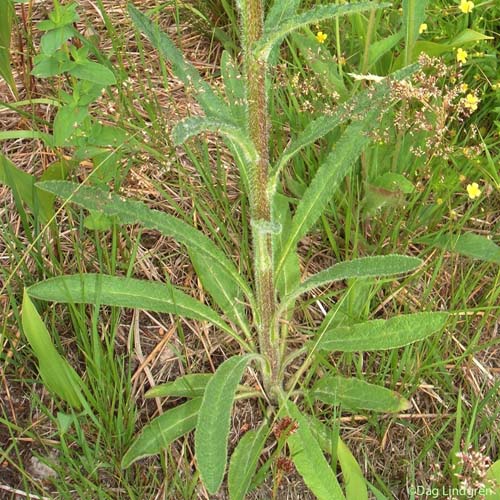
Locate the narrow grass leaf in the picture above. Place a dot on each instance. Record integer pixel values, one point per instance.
(162, 431)
(244, 461)
(357, 394)
(214, 420)
(187, 386)
(5, 33)
(309, 460)
(381, 47)
(364, 267)
(132, 212)
(382, 334)
(413, 17)
(468, 244)
(58, 376)
(100, 289)
(275, 34)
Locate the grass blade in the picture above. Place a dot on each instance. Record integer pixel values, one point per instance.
(413, 17)
(57, 374)
(382, 334)
(100, 289)
(244, 461)
(131, 212)
(162, 431)
(357, 394)
(214, 420)
(188, 386)
(5, 33)
(309, 459)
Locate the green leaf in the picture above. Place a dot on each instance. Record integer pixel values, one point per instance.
(162, 431)
(224, 291)
(68, 117)
(493, 475)
(365, 267)
(47, 66)
(214, 420)
(93, 72)
(357, 394)
(310, 462)
(244, 461)
(5, 33)
(58, 376)
(382, 334)
(211, 104)
(275, 34)
(381, 47)
(413, 17)
(52, 40)
(194, 125)
(187, 386)
(468, 36)
(131, 212)
(468, 244)
(96, 221)
(100, 289)
(234, 87)
(21, 183)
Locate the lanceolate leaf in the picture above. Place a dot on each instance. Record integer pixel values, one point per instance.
(99, 289)
(194, 125)
(275, 34)
(225, 293)
(163, 430)
(188, 386)
(211, 104)
(309, 460)
(413, 17)
(214, 420)
(357, 394)
(244, 461)
(57, 374)
(365, 267)
(5, 32)
(381, 334)
(131, 212)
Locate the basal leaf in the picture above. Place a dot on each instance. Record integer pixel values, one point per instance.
(131, 212)
(357, 394)
(310, 462)
(57, 374)
(364, 267)
(187, 386)
(162, 431)
(382, 334)
(275, 34)
(214, 420)
(100, 289)
(244, 461)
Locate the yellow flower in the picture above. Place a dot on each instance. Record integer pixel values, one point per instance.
(466, 6)
(473, 190)
(461, 55)
(423, 27)
(464, 87)
(461, 178)
(439, 201)
(321, 37)
(471, 102)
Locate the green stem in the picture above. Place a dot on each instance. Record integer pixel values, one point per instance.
(260, 209)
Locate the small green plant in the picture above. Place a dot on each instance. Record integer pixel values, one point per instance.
(257, 310)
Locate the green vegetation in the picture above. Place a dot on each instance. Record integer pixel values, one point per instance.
(302, 302)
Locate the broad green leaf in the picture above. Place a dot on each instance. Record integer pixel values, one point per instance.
(318, 128)
(310, 462)
(53, 39)
(493, 476)
(187, 386)
(468, 36)
(381, 47)
(194, 125)
(468, 244)
(211, 104)
(244, 461)
(225, 292)
(68, 117)
(5, 33)
(100, 289)
(413, 17)
(275, 34)
(132, 212)
(93, 72)
(357, 394)
(97, 221)
(58, 376)
(214, 420)
(364, 267)
(47, 66)
(382, 334)
(21, 183)
(162, 431)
